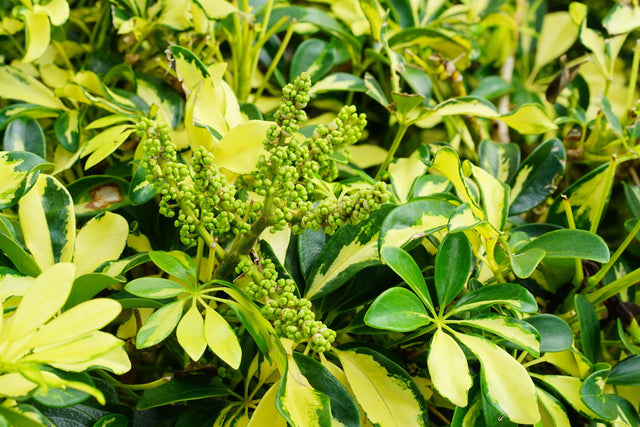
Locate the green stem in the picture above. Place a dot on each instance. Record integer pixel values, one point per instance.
(402, 129)
(596, 278)
(634, 75)
(614, 287)
(145, 386)
(275, 61)
(241, 245)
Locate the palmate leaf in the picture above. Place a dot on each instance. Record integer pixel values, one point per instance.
(404, 265)
(221, 338)
(397, 309)
(509, 294)
(453, 267)
(190, 333)
(159, 325)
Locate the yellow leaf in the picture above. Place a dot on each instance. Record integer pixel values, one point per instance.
(266, 413)
(448, 369)
(82, 319)
(15, 385)
(403, 172)
(217, 9)
(84, 349)
(105, 143)
(221, 338)
(16, 84)
(46, 211)
(367, 155)
(197, 134)
(240, 149)
(116, 361)
(557, 34)
(101, 239)
(506, 381)
(190, 333)
(14, 286)
(386, 399)
(495, 195)
(38, 34)
(45, 297)
(58, 11)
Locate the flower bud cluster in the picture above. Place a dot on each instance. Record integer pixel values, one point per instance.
(291, 173)
(292, 317)
(196, 195)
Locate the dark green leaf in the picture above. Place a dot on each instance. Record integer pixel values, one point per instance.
(404, 266)
(182, 389)
(397, 309)
(25, 134)
(89, 285)
(67, 130)
(112, 420)
(555, 334)
(589, 328)
(140, 190)
(592, 395)
(536, 177)
(343, 407)
(20, 170)
(626, 372)
(17, 418)
(566, 243)
(18, 256)
(314, 57)
(506, 294)
(310, 246)
(491, 87)
(525, 263)
(61, 398)
(453, 266)
(500, 160)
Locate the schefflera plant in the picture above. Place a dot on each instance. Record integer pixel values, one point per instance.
(504, 382)
(37, 340)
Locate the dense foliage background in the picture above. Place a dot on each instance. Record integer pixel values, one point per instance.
(360, 212)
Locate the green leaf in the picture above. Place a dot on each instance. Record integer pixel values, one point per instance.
(88, 286)
(112, 420)
(626, 372)
(155, 91)
(500, 160)
(343, 82)
(67, 130)
(525, 263)
(299, 402)
(404, 103)
(514, 330)
(403, 172)
(343, 408)
(592, 395)
(351, 249)
(154, 288)
(589, 328)
(404, 266)
(18, 172)
(18, 418)
(588, 196)
(159, 325)
(95, 194)
(313, 56)
(513, 295)
(555, 334)
(414, 220)
(566, 243)
(569, 389)
(25, 134)
(454, 382)
(429, 185)
(18, 85)
(536, 177)
(453, 266)
(175, 263)
(63, 397)
(505, 382)
(495, 196)
(221, 338)
(181, 390)
(386, 393)
(18, 256)
(140, 190)
(397, 309)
